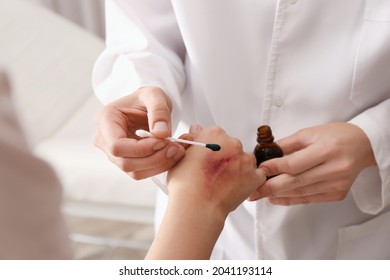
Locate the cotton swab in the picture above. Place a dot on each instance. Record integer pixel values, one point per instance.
(143, 133)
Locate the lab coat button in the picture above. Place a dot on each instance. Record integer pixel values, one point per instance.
(292, 1)
(278, 102)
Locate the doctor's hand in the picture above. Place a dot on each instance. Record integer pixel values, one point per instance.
(148, 108)
(320, 165)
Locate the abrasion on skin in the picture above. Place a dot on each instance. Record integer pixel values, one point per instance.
(216, 167)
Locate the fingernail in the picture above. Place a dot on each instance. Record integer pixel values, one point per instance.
(265, 171)
(254, 196)
(160, 128)
(159, 146)
(172, 151)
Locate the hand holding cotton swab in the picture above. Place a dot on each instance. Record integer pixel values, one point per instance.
(143, 133)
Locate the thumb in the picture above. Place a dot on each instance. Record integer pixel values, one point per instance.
(159, 107)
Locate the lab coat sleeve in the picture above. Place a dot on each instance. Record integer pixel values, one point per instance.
(375, 123)
(143, 48)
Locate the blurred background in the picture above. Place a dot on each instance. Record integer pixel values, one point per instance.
(87, 13)
(48, 49)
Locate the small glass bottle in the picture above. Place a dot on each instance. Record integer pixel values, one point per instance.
(266, 148)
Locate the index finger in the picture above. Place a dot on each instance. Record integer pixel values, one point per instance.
(120, 145)
(133, 148)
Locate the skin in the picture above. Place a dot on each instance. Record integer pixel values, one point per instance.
(320, 165)
(148, 108)
(203, 189)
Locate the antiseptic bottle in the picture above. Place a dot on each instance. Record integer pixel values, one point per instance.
(266, 148)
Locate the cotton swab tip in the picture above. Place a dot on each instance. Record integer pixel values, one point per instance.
(143, 133)
(213, 147)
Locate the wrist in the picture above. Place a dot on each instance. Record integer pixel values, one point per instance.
(189, 230)
(197, 208)
(367, 157)
(190, 201)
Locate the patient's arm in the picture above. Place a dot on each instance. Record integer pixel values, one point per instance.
(203, 189)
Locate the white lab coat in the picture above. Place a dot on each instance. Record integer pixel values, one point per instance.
(290, 64)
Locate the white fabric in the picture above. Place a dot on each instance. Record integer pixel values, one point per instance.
(289, 64)
(31, 224)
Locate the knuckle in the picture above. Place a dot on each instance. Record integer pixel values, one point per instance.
(328, 151)
(297, 181)
(124, 165)
(160, 109)
(304, 135)
(160, 159)
(345, 167)
(236, 144)
(216, 130)
(247, 161)
(287, 166)
(323, 149)
(300, 191)
(114, 149)
(155, 162)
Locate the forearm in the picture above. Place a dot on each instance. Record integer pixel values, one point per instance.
(189, 231)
